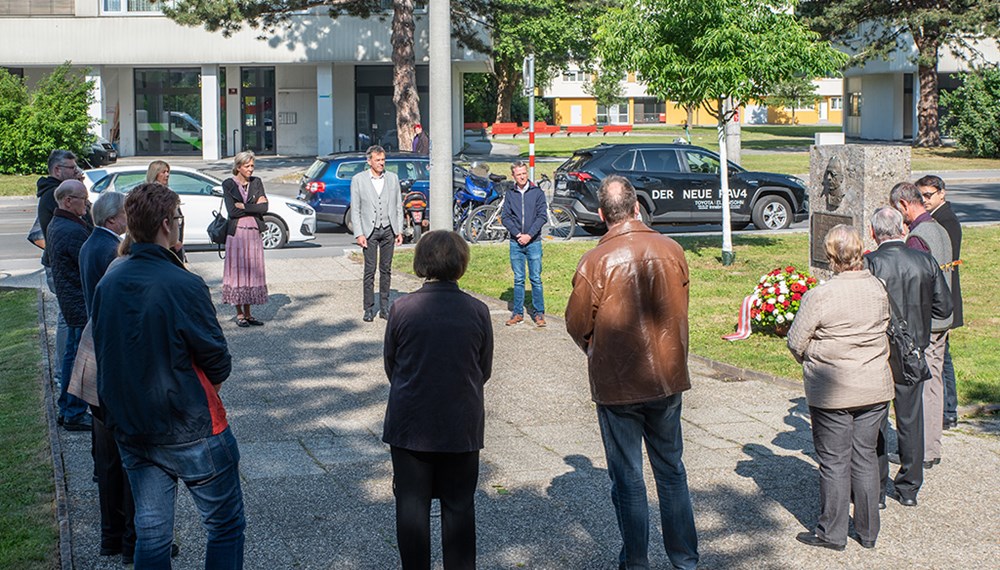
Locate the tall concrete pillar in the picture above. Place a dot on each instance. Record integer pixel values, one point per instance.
(324, 108)
(234, 125)
(96, 110)
(210, 112)
(440, 110)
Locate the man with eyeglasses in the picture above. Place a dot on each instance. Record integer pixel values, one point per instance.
(927, 235)
(932, 190)
(66, 234)
(61, 166)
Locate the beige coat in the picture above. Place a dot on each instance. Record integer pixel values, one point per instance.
(839, 337)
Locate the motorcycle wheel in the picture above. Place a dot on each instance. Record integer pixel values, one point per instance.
(417, 230)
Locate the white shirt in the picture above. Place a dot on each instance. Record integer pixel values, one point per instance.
(378, 182)
(110, 231)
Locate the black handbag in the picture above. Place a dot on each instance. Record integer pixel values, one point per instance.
(218, 229)
(907, 360)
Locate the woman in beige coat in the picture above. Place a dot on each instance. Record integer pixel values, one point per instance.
(839, 337)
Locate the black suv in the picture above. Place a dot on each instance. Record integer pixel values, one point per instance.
(678, 184)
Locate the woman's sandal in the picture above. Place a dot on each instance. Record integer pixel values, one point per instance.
(241, 322)
(254, 322)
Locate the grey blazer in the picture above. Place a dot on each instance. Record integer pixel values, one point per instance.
(364, 202)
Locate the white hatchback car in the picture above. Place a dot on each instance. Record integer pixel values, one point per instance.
(201, 195)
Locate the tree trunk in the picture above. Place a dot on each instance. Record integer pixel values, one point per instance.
(507, 79)
(928, 128)
(404, 73)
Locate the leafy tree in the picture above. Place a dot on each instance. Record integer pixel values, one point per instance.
(556, 31)
(875, 28)
(793, 93)
(480, 97)
(606, 88)
(53, 115)
(712, 52)
(973, 112)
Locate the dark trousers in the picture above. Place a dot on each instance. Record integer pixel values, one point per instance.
(950, 392)
(114, 492)
(845, 443)
(909, 406)
(381, 243)
(452, 477)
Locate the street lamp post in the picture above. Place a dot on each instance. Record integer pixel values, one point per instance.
(439, 13)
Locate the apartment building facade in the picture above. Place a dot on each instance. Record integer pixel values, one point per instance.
(315, 86)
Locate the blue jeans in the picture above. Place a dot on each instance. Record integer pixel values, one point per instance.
(210, 469)
(623, 429)
(60, 326)
(950, 391)
(532, 254)
(71, 408)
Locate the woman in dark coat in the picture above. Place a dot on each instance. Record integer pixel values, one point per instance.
(438, 355)
(243, 279)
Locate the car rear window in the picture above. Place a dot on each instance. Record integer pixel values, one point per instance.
(576, 162)
(347, 170)
(315, 169)
(626, 162)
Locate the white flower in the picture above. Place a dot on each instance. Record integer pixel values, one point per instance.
(784, 289)
(779, 319)
(759, 316)
(791, 316)
(781, 298)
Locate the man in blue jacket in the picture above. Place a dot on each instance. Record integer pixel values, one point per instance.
(161, 359)
(524, 213)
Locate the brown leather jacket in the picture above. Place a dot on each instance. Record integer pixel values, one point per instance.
(629, 313)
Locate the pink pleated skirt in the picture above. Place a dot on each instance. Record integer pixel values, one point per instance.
(243, 280)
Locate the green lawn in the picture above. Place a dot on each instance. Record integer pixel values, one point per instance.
(29, 537)
(17, 185)
(717, 291)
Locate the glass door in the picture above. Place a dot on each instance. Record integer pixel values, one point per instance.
(257, 106)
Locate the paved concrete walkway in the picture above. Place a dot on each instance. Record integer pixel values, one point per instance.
(306, 401)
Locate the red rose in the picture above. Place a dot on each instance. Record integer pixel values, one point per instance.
(796, 296)
(789, 269)
(785, 304)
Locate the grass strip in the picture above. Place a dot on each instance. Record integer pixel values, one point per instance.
(717, 291)
(18, 185)
(28, 533)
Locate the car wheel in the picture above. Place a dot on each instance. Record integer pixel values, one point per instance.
(772, 213)
(348, 225)
(275, 234)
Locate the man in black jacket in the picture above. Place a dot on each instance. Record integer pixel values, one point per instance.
(932, 189)
(61, 166)
(67, 232)
(524, 213)
(917, 287)
(159, 384)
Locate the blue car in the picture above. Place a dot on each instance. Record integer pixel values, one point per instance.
(326, 185)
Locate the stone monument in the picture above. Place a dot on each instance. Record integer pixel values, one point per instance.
(847, 183)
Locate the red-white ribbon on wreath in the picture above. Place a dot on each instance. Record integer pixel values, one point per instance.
(743, 326)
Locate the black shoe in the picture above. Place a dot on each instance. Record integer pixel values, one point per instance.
(906, 502)
(384, 315)
(83, 424)
(869, 544)
(242, 323)
(369, 315)
(894, 458)
(931, 463)
(881, 505)
(950, 423)
(811, 539)
(175, 549)
(254, 322)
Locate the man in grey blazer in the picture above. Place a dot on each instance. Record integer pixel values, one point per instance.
(377, 218)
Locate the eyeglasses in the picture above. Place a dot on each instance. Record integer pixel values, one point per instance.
(177, 218)
(69, 166)
(929, 195)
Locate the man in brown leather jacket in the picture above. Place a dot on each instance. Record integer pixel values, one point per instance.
(629, 313)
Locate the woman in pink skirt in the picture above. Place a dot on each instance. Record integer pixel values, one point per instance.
(243, 282)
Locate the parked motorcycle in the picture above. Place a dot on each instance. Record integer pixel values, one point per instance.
(481, 188)
(414, 212)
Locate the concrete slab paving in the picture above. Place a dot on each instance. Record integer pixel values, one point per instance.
(306, 401)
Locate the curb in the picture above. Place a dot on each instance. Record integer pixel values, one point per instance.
(55, 444)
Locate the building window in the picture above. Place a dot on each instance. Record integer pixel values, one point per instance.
(836, 103)
(37, 8)
(613, 115)
(120, 7)
(574, 76)
(168, 111)
(854, 104)
(649, 110)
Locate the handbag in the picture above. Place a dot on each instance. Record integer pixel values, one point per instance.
(83, 381)
(906, 358)
(217, 230)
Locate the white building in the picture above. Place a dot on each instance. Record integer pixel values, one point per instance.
(317, 85)
(881, 98)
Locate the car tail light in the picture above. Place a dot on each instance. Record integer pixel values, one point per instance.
(581, 176)
(315, 187)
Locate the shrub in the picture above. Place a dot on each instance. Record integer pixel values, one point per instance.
(973, 112)
(53, 115)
